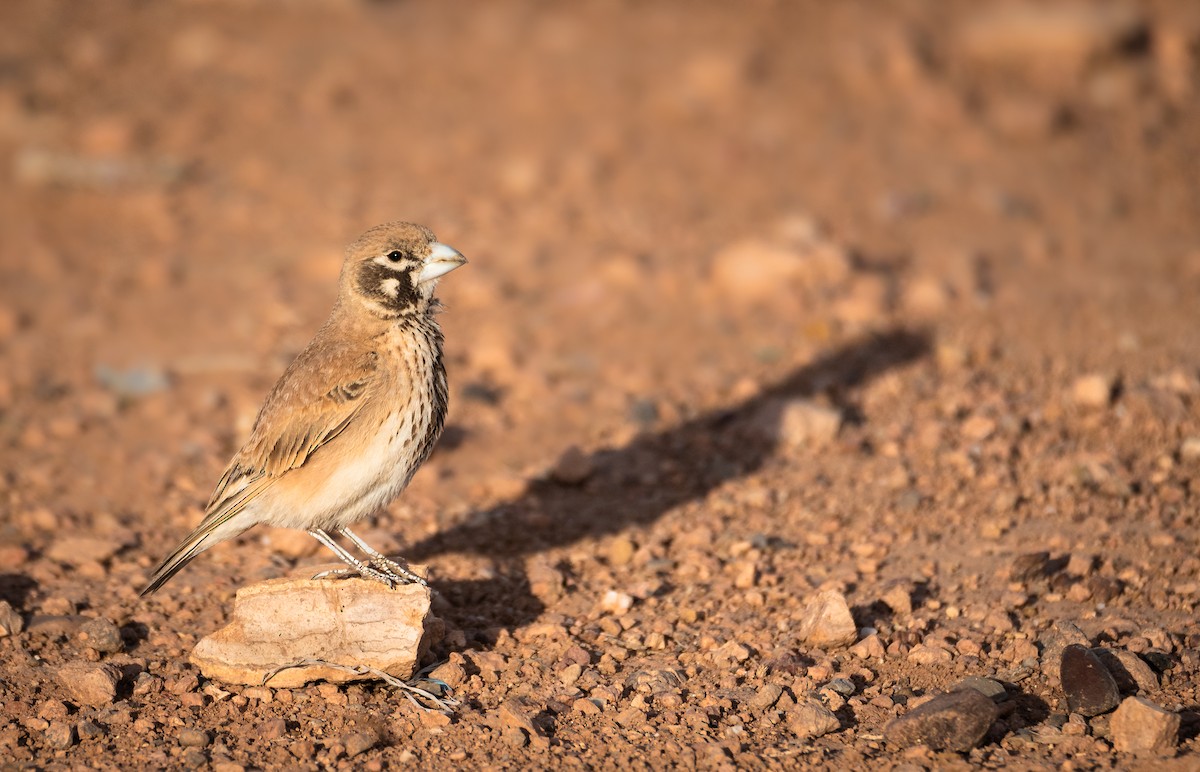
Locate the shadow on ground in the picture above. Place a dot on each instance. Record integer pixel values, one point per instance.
(636, 484)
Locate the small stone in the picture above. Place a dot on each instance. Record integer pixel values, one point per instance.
(1105, 589)
(60, 734)
(88, 730)
(898, 599)
(587, 707)
(574, 467)
(272, 729)
(190, 737)
(758, 270)
(1140, 726)
(1053, 643)
(1089, 687)
(10, 621)
(77, 550)
(827, 622)
(797, 423)
(956, 721)
(52, 710)
(1092, 391)
(138, 381)
(290, 542)
(620, 551)
(359, 742)
(810, 718)
(515, 714)
(1033, 565)
(102, 635)
(615, 602)
(922, 654)
(765, 698)
(993, 690)
(451, 672)
(870, 647)
(978, 428)
(89, 684)
(1189, 450)
(1130, 671)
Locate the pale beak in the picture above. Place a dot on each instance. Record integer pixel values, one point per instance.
(441, 261)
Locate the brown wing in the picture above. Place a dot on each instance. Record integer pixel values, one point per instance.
(313, 402)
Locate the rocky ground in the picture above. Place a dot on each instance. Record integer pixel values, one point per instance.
(815, 362)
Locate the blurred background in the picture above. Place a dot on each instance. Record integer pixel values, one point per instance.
(669, 209)
(666, 207)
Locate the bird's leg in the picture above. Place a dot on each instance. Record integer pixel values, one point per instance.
(356, 565)
(382, 562)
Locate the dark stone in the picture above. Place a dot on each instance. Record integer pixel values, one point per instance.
(1031, 566)
(1105, 589)
(956, 722)
(1089, 687)
(988, 687)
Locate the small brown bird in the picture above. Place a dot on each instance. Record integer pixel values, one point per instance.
(352, 418)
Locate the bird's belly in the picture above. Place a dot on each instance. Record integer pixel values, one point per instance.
(341, 489)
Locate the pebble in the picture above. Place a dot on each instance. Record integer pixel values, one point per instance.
(765, 698)
(1092, 391)
(755, 269)
(290, 542)
(809, 718)
(359, 742)
(11, 622)
(573, 467)
(922, 654)
(1033, 565)
(990, 688)
(1128, 669)
(1054, 641)
(956, 721)
(102, 635)
(89, 684)
(60, 734)
(88, 730)
(1189, 450)
(135, 382)
(77, 550)
(272, 729)
(621, 551)
(827, 622)
(898, 599)
(1089, 687)
(587, 706)
(190, 737)
(797, 423)
(615, 602)
(1140, 726)
(1062, 36)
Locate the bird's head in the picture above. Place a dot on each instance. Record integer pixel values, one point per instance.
(393, 269)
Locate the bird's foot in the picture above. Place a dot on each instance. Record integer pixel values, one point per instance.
(364, 571)
(397, 571)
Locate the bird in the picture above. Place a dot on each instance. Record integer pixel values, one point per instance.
(351, 419)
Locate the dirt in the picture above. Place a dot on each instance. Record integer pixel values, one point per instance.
(765, 300)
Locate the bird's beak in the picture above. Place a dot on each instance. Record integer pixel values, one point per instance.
(441, 261)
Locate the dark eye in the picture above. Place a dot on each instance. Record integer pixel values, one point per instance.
(395, 256)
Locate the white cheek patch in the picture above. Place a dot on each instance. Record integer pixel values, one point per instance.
(390, 287)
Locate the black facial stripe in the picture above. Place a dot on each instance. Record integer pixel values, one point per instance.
(371, 282)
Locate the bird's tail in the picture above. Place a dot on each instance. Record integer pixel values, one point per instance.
(205, 536)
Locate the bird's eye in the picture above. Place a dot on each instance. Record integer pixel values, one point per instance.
(395, 256)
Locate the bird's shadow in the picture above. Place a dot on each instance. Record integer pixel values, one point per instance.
(636, 484)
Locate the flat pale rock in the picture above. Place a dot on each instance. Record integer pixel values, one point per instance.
(348, 622)
(827, 622)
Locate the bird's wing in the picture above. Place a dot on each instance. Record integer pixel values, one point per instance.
(313, 402)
